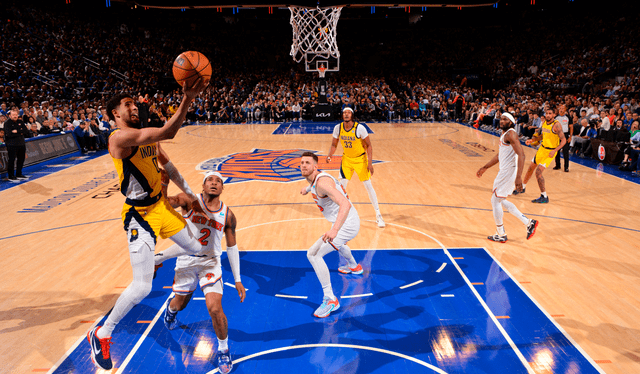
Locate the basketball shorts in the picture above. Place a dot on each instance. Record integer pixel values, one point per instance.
(505, 182)
(542, 157)
(192, 270)
(159, 219)
(357, 164)
(348, 231)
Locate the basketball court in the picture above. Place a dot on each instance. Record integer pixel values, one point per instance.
(436, 295)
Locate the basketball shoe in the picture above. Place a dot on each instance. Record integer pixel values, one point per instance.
(515, 192)
(100, 350)
(170, 320)
(379, 220)
(531, 228)
(327, 307)
(498, 238)
(347, 270)
(541, 200)
(224, 361)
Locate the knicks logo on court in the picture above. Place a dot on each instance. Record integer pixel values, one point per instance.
(265, 165)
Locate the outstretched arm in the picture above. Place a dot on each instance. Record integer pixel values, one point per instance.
(129, 137)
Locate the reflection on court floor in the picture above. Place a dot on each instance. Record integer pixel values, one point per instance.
(412, 311)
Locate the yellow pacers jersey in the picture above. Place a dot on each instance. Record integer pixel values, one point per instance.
(139, 175)
(351, 145)
(550, 139)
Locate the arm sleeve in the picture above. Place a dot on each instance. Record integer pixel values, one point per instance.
(336, 131)
(234, 261)
(177, 178)
(361, 132)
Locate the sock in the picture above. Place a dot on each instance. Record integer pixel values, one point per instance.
(223, 345)
(106, 330)
(544, 194)
(500, 230)
(320, 267)
(345, 252)
(328, 291)
(513, 210)
(142, 266)
(497, 209)
(524, 185)
(372, 195)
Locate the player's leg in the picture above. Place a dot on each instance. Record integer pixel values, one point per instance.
(527, 176)
(531, 224)
(315, 255)
(500, 236)
(185, 239)
(213, 299)
(365, 177)
(346, 171)
(185, 281)
(347, 232)
(141, 248)
(543, 161)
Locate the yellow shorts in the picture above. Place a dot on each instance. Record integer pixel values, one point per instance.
(542, 157)
(359, 165)
(159, 219)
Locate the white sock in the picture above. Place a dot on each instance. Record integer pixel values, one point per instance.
(372, 195)
(513, 210)
(345, 252)
(106, 330)
(223, 345)
(320, 267)
(328, 291)
(497, 209)
(500, 230)
(544, 194)
(142, 266)
(524, 185)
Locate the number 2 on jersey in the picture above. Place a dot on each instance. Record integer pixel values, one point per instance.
(203, 239)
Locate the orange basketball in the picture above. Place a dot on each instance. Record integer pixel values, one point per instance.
(190, 65)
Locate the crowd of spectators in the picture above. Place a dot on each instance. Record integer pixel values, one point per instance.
(60, 74)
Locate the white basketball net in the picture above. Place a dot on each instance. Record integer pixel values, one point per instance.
(314, 33)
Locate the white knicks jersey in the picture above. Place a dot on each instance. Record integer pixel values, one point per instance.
(328, 207)
(209, 229)
(507, 156)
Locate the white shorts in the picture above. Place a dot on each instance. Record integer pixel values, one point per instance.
(348, 231)
(192, 270)
(505, 182)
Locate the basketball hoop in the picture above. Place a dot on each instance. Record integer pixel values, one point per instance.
(314, 37)
(321, 71)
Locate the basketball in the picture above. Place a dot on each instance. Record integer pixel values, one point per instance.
(190, 65)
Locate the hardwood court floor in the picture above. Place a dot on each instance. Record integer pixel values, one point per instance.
(65, 259)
